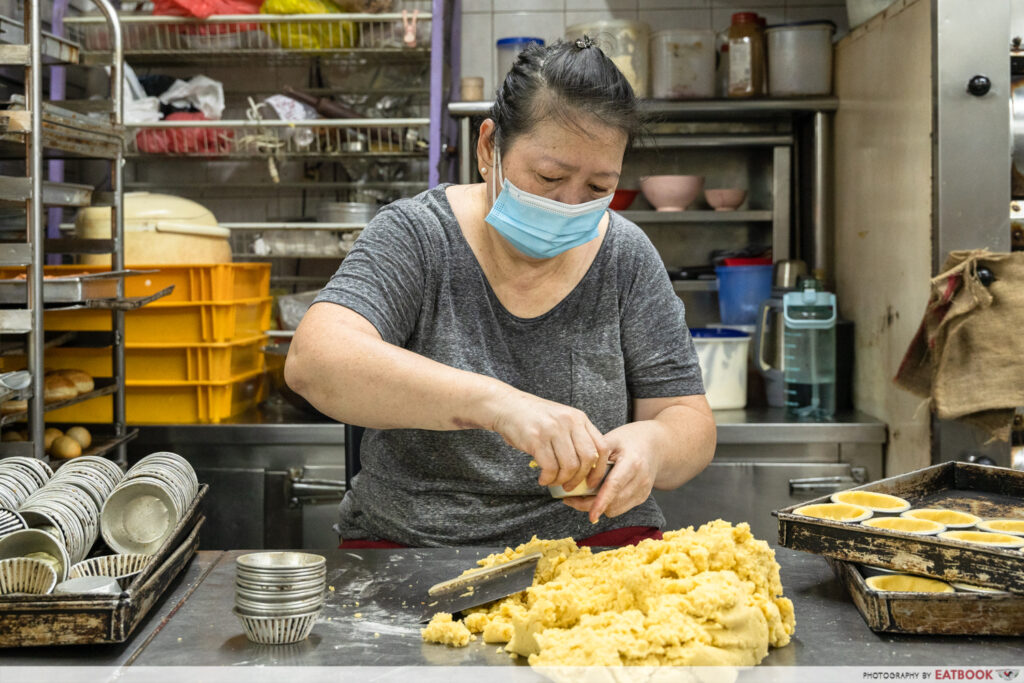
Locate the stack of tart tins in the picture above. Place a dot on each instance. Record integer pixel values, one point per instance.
(279, 595)
(144, 508)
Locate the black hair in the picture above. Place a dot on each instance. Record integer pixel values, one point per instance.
(563, 80)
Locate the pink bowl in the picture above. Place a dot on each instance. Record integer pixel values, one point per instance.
(671, 192)
(728, 199)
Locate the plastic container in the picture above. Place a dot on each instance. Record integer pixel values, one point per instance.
(800, 58)
(859, 11)
(507, 51)
(172, 402)
(683, 64)
(627, 43)
(723, 363)
(174, 323)
(809, 317)
(741, 289)
(167, 362)
(194, 283)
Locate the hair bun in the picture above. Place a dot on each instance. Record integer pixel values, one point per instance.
(584, 42)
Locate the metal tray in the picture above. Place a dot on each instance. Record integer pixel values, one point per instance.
(988, 492)
(66, 290)
(34, 620)
(975, 614)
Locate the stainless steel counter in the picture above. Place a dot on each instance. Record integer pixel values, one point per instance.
(365, 623)
(266, 425)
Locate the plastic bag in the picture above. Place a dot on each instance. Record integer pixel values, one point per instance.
(203, 9)
(200, 92)
(190, 141)
(300, 35)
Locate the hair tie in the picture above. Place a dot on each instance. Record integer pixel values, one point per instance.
(584, 42)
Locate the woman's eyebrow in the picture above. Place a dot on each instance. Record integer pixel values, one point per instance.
(569, 167)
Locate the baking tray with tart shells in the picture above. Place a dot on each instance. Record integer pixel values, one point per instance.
(956, 613)
(34, 620)
(988, 492)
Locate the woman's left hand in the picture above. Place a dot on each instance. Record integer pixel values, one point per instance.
(629, 482)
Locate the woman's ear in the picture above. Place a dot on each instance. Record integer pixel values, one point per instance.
(485, 146)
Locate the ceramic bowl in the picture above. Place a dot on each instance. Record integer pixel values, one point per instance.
(671, 192)
(622, 199)
(725, 199)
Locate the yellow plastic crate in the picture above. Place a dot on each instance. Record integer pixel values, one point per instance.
(218, 282)
(174, 322)
(172, 402)
(167, 362)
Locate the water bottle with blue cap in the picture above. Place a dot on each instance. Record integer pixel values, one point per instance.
(809, 317)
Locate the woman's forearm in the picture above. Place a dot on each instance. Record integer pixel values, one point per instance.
(339, 363)
(684, 440)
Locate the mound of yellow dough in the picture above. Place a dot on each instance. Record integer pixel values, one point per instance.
(706, 597)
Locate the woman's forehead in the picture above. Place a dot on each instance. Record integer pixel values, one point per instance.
(561, 140)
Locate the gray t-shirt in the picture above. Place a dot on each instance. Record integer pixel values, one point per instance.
(619, 335)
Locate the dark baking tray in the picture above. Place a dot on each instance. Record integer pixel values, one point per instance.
(33, 620)
(988, 492)
(975, 614)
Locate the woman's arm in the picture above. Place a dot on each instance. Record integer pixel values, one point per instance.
(339, 362)
(670, 442)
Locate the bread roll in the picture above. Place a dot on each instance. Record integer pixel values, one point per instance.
(57, 387)
(82, 380)
(49, 435)
(14, 406)
(81, 435)
(11, 435)
(65, 447)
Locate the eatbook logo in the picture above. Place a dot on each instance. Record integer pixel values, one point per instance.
(1008, 674)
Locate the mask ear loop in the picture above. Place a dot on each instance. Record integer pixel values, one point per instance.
(498, 175)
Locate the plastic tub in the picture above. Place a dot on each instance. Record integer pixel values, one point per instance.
(625, 42)
(682, 64)
(508, 49)
(172, 402)
(174, 323)
(800, 58)
(741, 289)
(167, 362)
(723, 363)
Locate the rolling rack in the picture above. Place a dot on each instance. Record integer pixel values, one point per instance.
(36, 130)
(396, 146)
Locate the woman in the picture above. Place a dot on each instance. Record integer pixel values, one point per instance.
(476, 328)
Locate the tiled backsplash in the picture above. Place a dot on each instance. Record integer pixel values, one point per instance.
(485, 21)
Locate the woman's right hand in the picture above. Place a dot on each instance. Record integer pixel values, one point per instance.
(562, 439)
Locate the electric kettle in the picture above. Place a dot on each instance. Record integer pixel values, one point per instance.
(768, 348)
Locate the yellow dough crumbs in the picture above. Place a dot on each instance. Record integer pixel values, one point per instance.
(706, 597)
(442, 629)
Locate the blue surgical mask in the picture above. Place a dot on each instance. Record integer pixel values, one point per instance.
(542, 227)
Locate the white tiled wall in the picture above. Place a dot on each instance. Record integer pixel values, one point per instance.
(485, 21)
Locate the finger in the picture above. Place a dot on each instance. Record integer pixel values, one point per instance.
(616, 483)
(548, 465)
(586, 452)
(565, 454)
(599, 439)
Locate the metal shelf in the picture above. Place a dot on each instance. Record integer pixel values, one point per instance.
(102, 444)
(14, 50)
(19, 320)
(698, 110)
(647, 217)
(65, 133)
(18, 190)
(265, 37)
(318, 139)
(305, 227)
(710, 285)
(104, 387)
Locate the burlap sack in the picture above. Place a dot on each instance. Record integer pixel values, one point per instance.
(968, 354)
